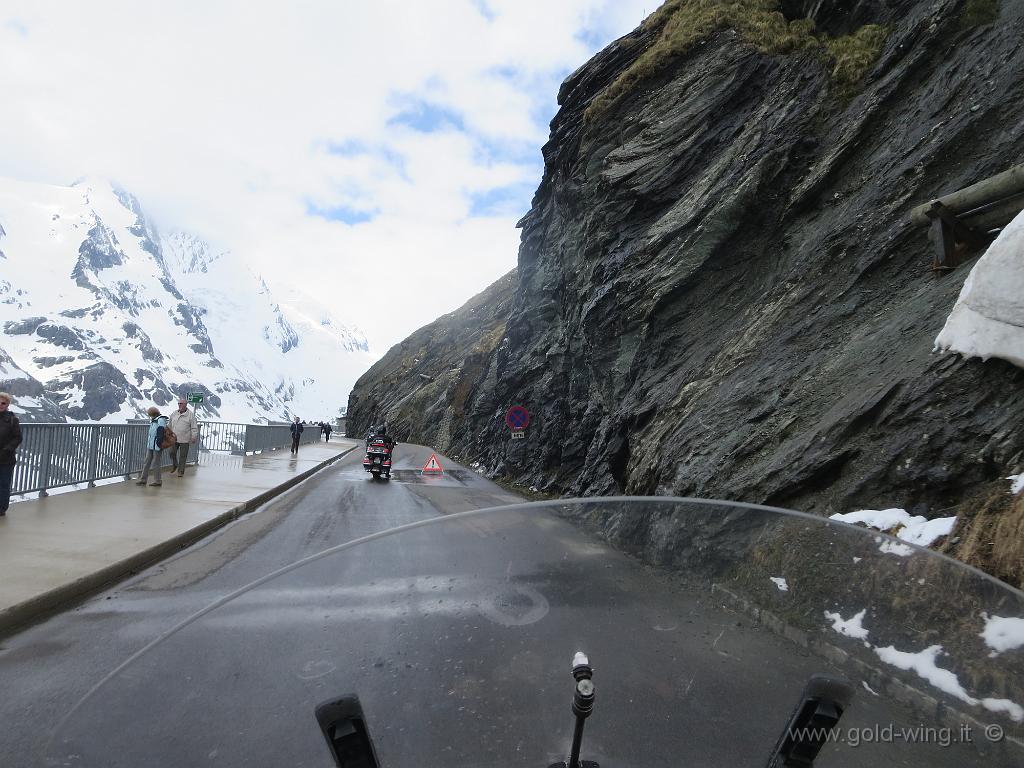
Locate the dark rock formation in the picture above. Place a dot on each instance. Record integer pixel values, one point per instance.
(423, 387)
(61, 336)
(49, 362)
(286, 336)
(146, 347)
(77, 313)
(149, 352)
(754, 309)
(97, 252)
(720, 292)
(171, 288)
(26, 326)
(105, 388)
(840, 17)
(30, 398)
(162, 397)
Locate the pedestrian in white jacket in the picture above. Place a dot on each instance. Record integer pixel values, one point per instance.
(185, 427)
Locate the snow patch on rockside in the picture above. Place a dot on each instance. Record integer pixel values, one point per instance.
(988, 317)
(914, 529)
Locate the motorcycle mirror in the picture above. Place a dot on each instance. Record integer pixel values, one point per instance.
(817, 713)
(344, 727)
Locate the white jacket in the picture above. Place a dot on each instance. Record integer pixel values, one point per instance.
(184, 426)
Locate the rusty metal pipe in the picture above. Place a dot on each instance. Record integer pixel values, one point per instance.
(995, 215)
(1006, 184)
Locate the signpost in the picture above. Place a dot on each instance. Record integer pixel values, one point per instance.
(195, 397)
(517, 418)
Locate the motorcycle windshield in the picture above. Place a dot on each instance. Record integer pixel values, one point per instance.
(703, 622)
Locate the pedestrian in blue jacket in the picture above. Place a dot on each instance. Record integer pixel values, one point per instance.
(154, 453)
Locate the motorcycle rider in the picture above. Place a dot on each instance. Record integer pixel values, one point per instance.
(380, 435)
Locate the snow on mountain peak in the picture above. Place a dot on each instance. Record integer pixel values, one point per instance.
(185, 253)
(101, 316)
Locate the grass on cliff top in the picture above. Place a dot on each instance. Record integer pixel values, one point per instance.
(853, 55)
(684, 23)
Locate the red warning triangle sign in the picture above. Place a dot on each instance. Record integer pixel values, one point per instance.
(433, 465)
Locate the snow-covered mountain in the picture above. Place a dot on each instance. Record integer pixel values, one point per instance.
(102, 315)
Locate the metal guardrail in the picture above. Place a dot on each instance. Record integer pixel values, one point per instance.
(240, 439)
(272, 437)
(222, 436)
(57, 455)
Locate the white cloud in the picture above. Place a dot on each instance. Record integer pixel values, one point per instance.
(239, 120)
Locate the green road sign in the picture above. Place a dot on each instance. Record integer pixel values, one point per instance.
(195, 397)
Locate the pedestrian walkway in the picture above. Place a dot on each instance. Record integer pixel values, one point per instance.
(62, 547)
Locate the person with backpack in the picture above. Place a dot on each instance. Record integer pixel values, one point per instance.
(160, 436)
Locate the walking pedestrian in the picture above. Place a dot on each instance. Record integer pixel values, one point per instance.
(10, 439)
(154, 453)
(186, 429)
(327, 432)
(296, 434)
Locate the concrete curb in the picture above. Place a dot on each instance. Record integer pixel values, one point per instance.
(924, 704)
(40, 607)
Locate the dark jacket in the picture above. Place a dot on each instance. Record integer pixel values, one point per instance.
(296, 429)
(10, 437)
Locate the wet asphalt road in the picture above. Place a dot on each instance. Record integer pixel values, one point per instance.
(457, 637)
(48, 667)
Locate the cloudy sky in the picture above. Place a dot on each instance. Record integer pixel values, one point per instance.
(365, 151)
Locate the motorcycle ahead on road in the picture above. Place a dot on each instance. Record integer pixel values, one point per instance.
(714, 634)
(378, 457)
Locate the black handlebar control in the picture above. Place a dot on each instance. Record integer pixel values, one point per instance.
(582, 707)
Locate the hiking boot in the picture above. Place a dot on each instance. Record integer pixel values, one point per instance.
(155, 485)
(140, 482)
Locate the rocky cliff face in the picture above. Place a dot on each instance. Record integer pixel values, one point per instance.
(422, 387)
(720, 293)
